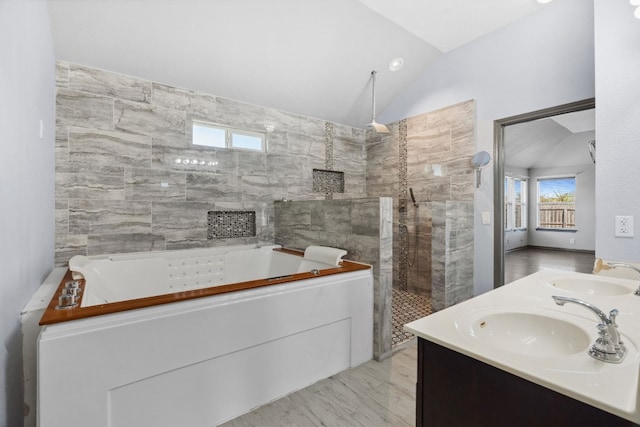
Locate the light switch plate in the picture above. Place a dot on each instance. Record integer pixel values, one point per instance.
(486, 218)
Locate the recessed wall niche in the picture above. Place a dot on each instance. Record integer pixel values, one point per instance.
(326, 181)
(231, 224)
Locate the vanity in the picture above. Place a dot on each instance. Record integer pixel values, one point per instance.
(516, 357)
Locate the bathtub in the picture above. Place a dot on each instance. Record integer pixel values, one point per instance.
(195, 337)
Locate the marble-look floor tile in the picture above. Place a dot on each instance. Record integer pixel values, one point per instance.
(380, 394)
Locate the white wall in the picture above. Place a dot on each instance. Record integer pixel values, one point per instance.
(617, 47)
(541, 61)
(26, 180)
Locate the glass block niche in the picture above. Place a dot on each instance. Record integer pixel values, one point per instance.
(326, 181)
(231, 224)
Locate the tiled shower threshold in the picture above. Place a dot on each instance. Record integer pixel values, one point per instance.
(406, 307)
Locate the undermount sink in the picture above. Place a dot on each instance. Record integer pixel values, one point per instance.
(533, 333)
(593, 287)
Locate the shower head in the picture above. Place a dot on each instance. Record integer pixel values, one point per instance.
(375, 126)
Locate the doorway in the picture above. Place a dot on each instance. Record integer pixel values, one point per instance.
(500, 209)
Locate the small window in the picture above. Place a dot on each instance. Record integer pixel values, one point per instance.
(211, 135)
(557, 203)
(247, 141)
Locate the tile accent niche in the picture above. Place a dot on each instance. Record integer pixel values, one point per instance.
(231, 224)
(118, 185)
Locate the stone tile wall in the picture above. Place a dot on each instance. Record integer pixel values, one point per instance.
(118, 186)
(452, 253)
(363, 227)
(431, 154)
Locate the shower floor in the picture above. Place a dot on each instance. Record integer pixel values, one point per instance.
(406, 307)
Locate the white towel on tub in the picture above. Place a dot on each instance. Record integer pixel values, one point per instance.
(325, 254)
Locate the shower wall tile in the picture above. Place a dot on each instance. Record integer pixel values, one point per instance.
(240, 115)
(62, 74)
(102, 147)
(62, 145)
(209, 186)
(152, 184)
(278, 143)
(199, 106)
(263, 188)
(150, 120)
(81, 109)
(62, 217)
(308, 146)
(69, 245)
(452, 114)
(105, 83)
(118, 142)
(462, 187)
(107, 216)
(89, 186)
(170, 216)
(124, 243)
(434, 160)
(362, 228)
(283, 120)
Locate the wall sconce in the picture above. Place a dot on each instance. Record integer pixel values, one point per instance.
(478, 161)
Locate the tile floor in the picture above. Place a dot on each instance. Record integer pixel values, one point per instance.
(374, 394)
(406, 307)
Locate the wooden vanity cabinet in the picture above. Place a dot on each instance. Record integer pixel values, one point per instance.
(457, 390)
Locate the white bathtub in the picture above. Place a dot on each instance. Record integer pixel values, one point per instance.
(202, 361)
(112, 278)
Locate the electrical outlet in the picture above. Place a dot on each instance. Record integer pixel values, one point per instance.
(624, 226)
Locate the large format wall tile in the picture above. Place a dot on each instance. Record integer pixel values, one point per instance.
(101, 82)
(112, 148)
(107, 217)
(125, 164)
(359, 226)
(81, 109)
(149, 120)
(434, 161)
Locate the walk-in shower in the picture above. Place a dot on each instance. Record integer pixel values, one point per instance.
(409, 304)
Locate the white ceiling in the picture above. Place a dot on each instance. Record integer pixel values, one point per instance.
(553, 142)
(308, 57)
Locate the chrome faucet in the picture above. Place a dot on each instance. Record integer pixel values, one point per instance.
(608, 346)
(636, 269)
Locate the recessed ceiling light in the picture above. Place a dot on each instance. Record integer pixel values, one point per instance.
(544, 1)
(396, 64)
(635, 2)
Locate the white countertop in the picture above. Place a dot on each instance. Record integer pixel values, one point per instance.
(608, 386)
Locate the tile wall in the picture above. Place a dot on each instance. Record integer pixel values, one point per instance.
(431, 154)
(363, 227)
(119, 189)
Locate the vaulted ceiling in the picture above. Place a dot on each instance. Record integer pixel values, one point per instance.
(303, 56)
(555, 142)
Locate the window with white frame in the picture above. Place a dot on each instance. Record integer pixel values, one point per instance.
(557, 203)
(515, 203)
(212, 135)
